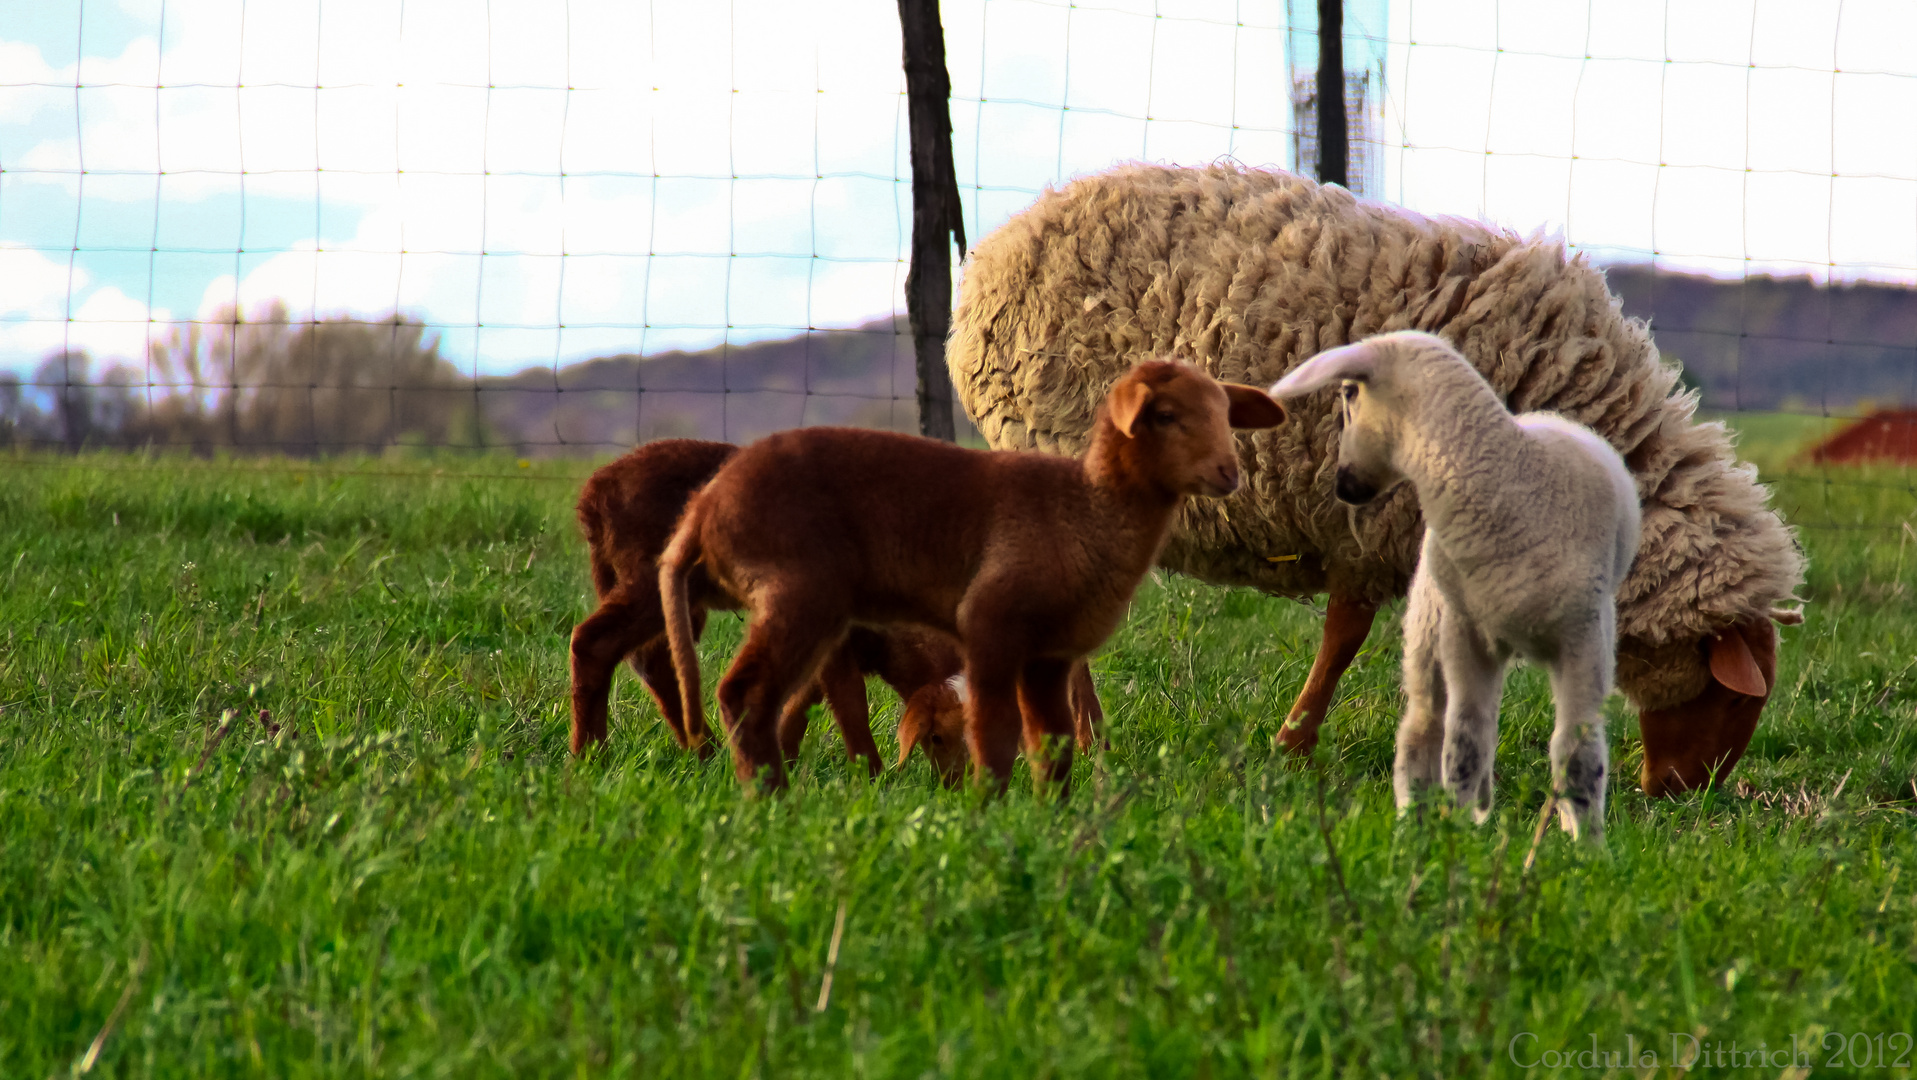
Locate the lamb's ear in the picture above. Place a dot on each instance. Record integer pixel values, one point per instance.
(1127, 401)
(912, 727)
(1328, 368)
(1252, 407)
(1733, 665)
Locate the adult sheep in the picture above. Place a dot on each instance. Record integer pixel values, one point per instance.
(1253, 271)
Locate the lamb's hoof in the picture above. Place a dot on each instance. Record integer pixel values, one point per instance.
(1297, 740)
(1588, 833)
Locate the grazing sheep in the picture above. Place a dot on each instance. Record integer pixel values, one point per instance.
(1252, 271)
(1029, 560)
(1531, 524)
(627, 510)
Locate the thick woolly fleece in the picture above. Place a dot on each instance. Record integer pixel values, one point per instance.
(1249, 273)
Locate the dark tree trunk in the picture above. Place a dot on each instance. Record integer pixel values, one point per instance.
(937, 217)
(1332, 137)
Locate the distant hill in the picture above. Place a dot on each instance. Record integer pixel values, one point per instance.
(863, 377)
(1781, 343)
(1763, 344)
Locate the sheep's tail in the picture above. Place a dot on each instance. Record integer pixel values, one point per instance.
(675, 568)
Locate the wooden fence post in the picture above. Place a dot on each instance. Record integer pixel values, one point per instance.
(937, 215)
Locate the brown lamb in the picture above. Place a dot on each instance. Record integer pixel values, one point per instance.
(1028, 560)
(627, 510)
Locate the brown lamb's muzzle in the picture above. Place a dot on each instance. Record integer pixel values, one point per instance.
(1698, 742)
(934, 719)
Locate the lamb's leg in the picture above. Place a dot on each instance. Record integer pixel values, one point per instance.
(1474, 685)
(653, 662)
(991, 714)
(788, 641)
(628, 617)
(1088, 716)
(1347, 624)
(844, 686)
(1580, 757)
(1044, 693)
(1421, 732)
(796, 718)
(996, 653)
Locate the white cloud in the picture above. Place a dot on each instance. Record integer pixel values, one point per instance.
(35, 318)
(37, 285)
(1704, 134)
(706, 147)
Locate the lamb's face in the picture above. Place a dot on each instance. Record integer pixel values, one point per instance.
(934, 720)
(1180, 420)
(1366, 445)
(1371, 398)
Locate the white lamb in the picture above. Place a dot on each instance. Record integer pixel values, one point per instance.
(1531, 522)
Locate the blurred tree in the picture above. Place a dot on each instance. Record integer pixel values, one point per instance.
(83, 410)
(17, 414)
(307, 388)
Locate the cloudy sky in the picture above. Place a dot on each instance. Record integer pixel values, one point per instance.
(547, 182)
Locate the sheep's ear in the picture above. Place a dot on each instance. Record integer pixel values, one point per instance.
(1128, 400)
(1252, 407)
(1349, 362)
(1733, 665)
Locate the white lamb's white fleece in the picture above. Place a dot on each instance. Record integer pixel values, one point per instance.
(1532, 523)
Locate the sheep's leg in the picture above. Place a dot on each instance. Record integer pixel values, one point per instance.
(783, 651)
(844, 686)
(653, 662)
(1474, 684)
(1347, 625)
(1088, 716)
(1044, 694)
(627, 618)
(1421, 732)
(1580, 757)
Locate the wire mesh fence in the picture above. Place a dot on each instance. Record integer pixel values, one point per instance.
(307, 228)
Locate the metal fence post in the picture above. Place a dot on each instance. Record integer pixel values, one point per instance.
(1332, 137)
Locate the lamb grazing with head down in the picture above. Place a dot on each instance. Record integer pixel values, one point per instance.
(1028, 560)
(1252, 271)
(1531, 524)
(934, 720)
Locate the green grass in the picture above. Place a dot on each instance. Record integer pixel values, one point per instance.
(411, 877)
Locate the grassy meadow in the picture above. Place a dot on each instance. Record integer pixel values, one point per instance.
(284, 792)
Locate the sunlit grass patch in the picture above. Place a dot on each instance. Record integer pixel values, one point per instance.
(283, 765)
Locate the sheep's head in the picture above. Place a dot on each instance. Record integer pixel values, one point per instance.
(1375, 395)
(1176, 421)
(934, 718)
(1719, 685)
